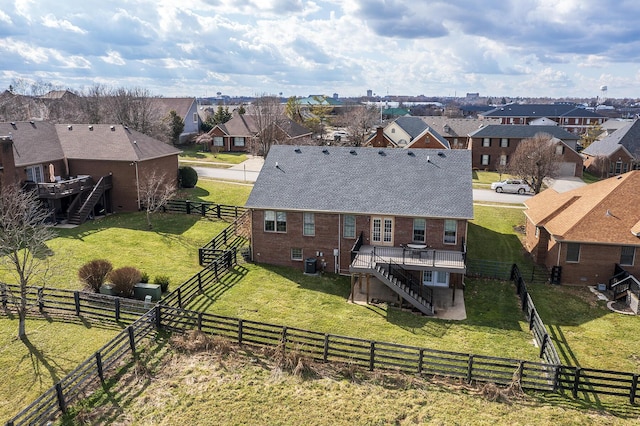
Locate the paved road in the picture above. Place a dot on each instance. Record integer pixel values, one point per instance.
(495, 197)
(227, 174)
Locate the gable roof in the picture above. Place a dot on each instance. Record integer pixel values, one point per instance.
(457, 127)
(597, 213)
(522, 131)
(110, 142)
(240, 125)
(386, 181)
(416, 127)
(180, 105)
(541, 110)
(294, 130)
(627, 137)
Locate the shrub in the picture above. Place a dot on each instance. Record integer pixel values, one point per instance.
(124, 279)
(163, 281)
(144, 277)
(94, 273)
(188, 177)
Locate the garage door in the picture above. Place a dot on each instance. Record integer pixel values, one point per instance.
(567, 169)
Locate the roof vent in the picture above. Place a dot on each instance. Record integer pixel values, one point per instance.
(353, 152)
(113, 128)
(13, 123)
(298, 150)
(90, 127)
(70, 127)
(31, 121)
(441, 154)
(381, 152)
(428, 159)
(325, 151)
(411, 154)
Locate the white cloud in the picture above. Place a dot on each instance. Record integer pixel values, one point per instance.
(114, 58)
(50, 21)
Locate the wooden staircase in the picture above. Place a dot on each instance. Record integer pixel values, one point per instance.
(397, 279)
(84, 203)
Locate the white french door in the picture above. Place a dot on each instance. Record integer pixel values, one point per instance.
(382, 230)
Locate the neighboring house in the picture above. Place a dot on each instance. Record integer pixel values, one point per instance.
(185, 108)
(493, 145)
(584, 233)
(615, 154)
(457, 130)
(569, 116)
(350, 210)
(408, 132)
(80, 169)
(241, 132)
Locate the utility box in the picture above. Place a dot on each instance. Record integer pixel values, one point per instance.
(141, 290)
(310, 265)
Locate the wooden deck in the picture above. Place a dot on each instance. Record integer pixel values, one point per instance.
(411, 259)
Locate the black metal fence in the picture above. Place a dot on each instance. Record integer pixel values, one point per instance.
(502, 271)
(201, 208)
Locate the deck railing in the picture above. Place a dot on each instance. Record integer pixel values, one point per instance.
(64, 187)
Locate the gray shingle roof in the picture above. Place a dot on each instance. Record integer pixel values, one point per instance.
(414, 126)
(33, 143)
(627, 136)
(417, 183)
(522, 131)
(540, 110)
(457, 127)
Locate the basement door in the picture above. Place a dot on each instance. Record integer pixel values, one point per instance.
(382, 230)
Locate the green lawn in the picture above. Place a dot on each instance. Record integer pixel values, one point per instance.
(495, 325)
(51, 351)
(170, 248)
(195, 153)
(233, 194)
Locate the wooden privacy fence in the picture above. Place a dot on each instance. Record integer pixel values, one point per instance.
(65, 302)
(210, 210)
(548, 350)
(86, 376)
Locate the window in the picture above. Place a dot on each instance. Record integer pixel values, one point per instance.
(275, 221)
(627, 255)
(504, 142)
(309, 224)
(393, 130)
(573, 252)
(618, 167)
(625, 168)
(349, 230)
(238, 141)
(296, 254)
(195, 117)
(485, 159)
(218, 141)
(419, 230)
(559, 149)
(34, 173)
(450, 231)
(486, 142)
(435, 278)
(503, 160)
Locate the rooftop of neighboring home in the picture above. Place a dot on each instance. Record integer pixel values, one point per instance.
(627, 136)
(37, 142)
(541, 110)
(457, 127)
(416, 126)
(418, 183)
(522, 132)
(180, 105)
(602, 212)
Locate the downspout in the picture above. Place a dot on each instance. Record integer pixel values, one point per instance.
(339, 246)
(559, 250)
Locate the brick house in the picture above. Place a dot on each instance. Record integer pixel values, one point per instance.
(616, 153)
(493, 145)
(569, 116)
(408, 132)
(457, 130)
(82, 169)
(350, 210)
(586, 231)
(240, 133)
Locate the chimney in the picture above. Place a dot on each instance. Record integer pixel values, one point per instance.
(378, 141)
(9, 175)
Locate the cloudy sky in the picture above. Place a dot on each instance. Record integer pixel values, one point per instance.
(556, 48)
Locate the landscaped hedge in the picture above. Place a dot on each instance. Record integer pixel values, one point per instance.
(188, 177)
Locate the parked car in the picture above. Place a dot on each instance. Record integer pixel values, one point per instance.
(511, 185)
(339, 135)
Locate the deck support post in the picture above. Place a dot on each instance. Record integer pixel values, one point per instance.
(368, 285)
(353, 286)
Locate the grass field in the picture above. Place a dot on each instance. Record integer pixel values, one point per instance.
(51, 351)
(239, 386)
(233, 194)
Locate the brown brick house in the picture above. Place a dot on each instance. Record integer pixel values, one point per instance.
(587, 231)
(493, 146)
(358, 210)
(96, 167)
(408, 132)
(616, 153)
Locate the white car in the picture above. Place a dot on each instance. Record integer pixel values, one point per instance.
(511, 185)
(340, 134)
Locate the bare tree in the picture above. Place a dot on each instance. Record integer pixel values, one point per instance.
(268, 116)
(23, 250)
(534, 160)
(359, 122)
(155, 190)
